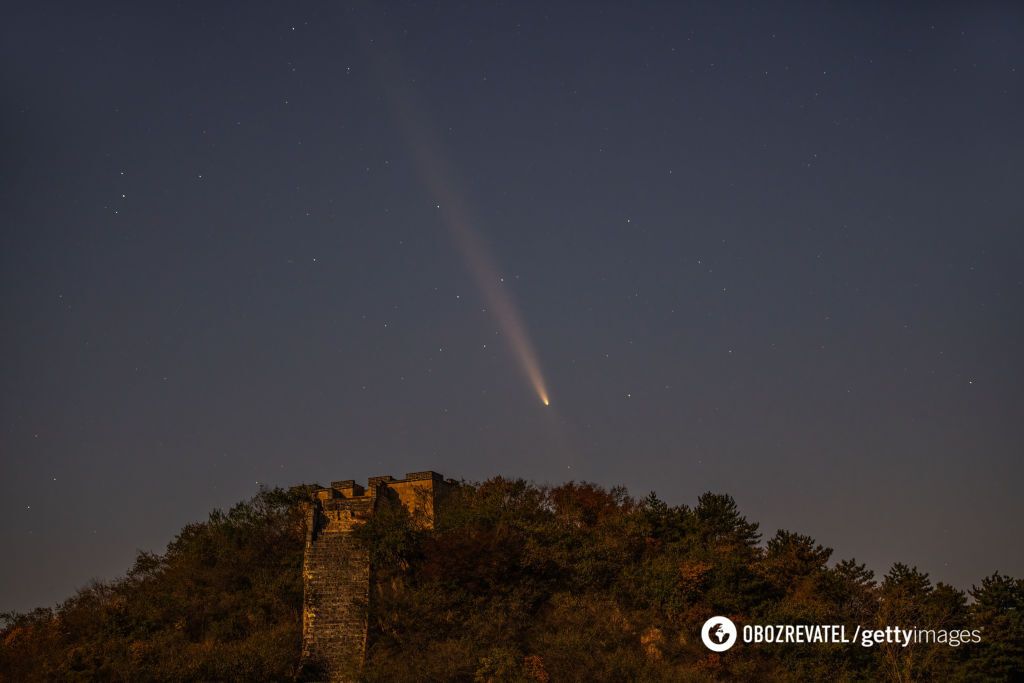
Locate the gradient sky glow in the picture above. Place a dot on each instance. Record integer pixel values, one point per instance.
(772, 252)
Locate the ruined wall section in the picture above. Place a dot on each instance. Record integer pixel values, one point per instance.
(336, 587)
(336, 569)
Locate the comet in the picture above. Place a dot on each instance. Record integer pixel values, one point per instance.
(439, 177)
(481, 265)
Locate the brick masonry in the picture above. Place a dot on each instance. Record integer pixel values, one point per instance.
(336, 571)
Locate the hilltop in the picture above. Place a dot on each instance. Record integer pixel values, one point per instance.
(517, 582)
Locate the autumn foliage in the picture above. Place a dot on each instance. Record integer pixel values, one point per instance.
(516, 583)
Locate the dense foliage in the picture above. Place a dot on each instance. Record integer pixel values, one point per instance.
(577, 583)
(517, 583)
(223, 603)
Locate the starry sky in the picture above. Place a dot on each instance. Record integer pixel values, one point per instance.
(769, 251)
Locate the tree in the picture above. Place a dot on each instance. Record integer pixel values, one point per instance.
(998, 611)
(908, 600)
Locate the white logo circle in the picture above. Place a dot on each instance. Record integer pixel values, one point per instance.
(718, 633)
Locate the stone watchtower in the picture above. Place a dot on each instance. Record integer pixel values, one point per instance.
(336, 570)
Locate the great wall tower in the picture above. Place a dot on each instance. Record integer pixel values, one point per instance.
(336, 570)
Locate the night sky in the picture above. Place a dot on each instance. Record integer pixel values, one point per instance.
(772, 252)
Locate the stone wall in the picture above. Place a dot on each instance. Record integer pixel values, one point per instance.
(336, 570)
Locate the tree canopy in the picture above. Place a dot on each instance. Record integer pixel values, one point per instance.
(517, 582)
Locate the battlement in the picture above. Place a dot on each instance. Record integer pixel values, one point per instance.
(336, 569)
(348, 488)
(417, 492)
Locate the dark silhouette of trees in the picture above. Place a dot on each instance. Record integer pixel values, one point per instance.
(516, 583)
(223, 603)
(999, 610)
